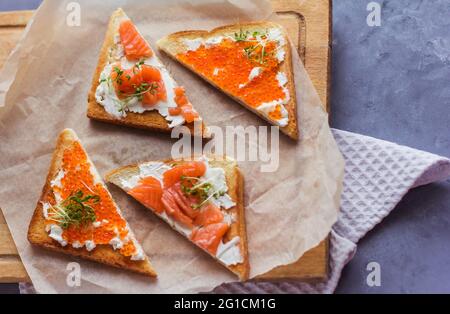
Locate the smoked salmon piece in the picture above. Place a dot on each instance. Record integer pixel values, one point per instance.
(134, 45)
(124, 81)
(143, 81)
(156, 93)
(149, 192)
(188, 169)
(208, 214)
(180, 96)
(174, 211)
(189, 113)
(186, 203)
(209, 237)
(184, 106)
(174, 111)
(150, 74)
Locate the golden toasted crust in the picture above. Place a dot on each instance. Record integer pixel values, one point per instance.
(173, 45)
(149, 120)
(102, 253)
(235, 182)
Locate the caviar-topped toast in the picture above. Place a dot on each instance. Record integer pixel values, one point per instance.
(201, 199)
(132, 87)
(250, 62)
(76, 214)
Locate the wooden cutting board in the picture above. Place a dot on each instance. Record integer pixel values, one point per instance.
(308, 23)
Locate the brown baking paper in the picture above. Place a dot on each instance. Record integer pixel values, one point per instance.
(43, 89)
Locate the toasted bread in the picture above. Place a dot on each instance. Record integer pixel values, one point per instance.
(38, 235)
(235, 183)
(174, 45)
(149, 120)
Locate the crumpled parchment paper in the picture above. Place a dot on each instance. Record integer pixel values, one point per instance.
(43, 89)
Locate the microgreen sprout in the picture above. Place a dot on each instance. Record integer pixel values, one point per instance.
(75, 210)
(201, 189)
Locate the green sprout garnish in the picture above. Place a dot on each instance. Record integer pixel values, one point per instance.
(252, 52)
(241, 36)
(138, 64)
(119, 72)
(139, 90)
(75, 210)
(201, 189)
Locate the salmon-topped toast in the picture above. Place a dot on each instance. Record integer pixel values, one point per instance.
(251, 62)
(76, 214)
(132, 87)
(202, 199)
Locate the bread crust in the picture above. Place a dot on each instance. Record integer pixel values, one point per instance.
(102, 253)
(235, 183)
(172, 45)
(148, 120)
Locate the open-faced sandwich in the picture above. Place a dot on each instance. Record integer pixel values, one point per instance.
(201, 199)
(76, 214)
(132, 87)
(250, 62)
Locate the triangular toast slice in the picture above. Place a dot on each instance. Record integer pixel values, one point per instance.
(132, 87)
(202, 199)
(250, 62)
(76, 214)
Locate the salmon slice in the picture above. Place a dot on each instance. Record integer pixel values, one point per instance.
(173, 210)
(143, 81)
(157, 93)
(134, 45)
(208, 214)
(174, 111)
(150, 74)
(184, 106)
(189, 114)
(124, 80)
(209, 237)
(180, 96)
(186, 203)
(188, 169)
(149, 193)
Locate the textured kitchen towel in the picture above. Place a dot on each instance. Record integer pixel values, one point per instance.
(377, 175)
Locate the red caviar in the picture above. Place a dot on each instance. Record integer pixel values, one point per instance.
(276, 114)
(78, 176)
(228, 66)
